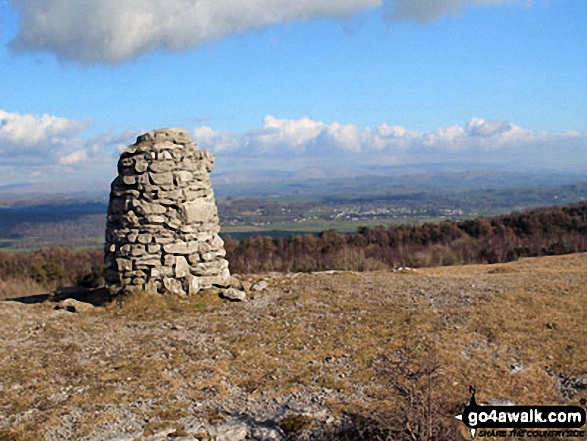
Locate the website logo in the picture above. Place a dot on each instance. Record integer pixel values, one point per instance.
(515, 420)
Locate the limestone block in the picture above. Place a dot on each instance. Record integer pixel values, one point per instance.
(173, 286)
(124, 264)
(124, 193)
(169, 260)
(181, 247)
(162, 240)
(162, 166)
(150, 208)
(156, 219)
(182, 268)
(159, 272)
(183, 176)
(141, 165)
(198, 211)
(161, 178)
(138, 250)
(153, 248)
(131, 218)
(217, 242)
(234, 295)
(129, 180)
(147, 261)
(193, 285)
(145, 238)
(174, 194)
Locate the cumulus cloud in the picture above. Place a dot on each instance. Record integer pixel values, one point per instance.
(38, 149)
(73, 158)
(32, 137)
(53, 140)
(29, 131)
(305, 139)
(114, 31)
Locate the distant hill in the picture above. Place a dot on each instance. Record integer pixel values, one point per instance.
(284, 207)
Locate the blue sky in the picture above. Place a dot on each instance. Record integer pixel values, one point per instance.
(314, 88)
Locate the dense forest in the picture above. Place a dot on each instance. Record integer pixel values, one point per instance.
(538, 232)
(545, 231)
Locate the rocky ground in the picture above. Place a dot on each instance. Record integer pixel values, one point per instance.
(302, 359)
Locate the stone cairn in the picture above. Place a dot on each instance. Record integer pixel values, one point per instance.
(162, 228)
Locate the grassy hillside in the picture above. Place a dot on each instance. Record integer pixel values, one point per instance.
(314, 356)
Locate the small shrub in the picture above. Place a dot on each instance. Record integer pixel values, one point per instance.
(294, 423)
(93, 279)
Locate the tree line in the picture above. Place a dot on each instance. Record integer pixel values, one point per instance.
(538, 232)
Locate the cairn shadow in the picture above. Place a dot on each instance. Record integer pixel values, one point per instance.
(95, 296)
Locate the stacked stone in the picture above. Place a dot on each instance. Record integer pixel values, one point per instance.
(162, 228)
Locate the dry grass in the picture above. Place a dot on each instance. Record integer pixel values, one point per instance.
(511, 330)
(12, 288)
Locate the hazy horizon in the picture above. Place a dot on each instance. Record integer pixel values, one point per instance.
(306, 90)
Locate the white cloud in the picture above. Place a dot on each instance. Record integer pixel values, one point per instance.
(73, 158)
(284, 141)
(113, 31)
(31, 131)
(31, 137)
(29, 142)
(50, 153)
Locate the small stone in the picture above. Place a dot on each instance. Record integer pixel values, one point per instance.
(181, 247)
(161, 178)
(76, 305)
(193, 285)
(259, 286)
(147, 208)
(173, 286)
(161, 166)
(124, 264)
(145, 238)
(182, 269)
(138, 250)
(198, 211)
(129, 180)
(141, 166)
(234, 295)
(183, 176)
(132, 218)
(153, 248)
(155, 219)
